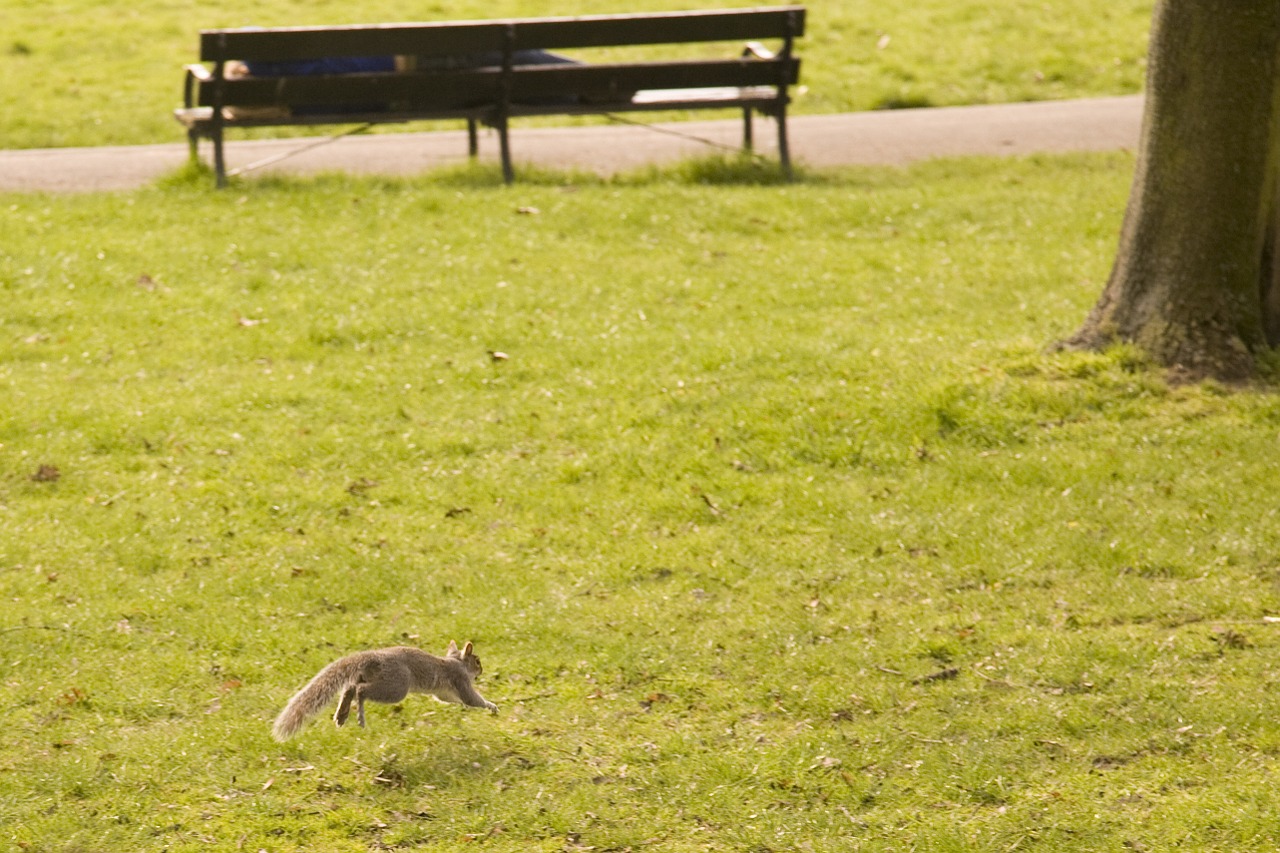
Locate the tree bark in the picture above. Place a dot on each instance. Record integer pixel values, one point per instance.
(1192, 279)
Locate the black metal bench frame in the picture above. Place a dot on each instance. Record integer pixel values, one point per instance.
(757, 81)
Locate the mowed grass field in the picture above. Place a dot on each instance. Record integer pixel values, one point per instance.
(772, 520)
(82, 72)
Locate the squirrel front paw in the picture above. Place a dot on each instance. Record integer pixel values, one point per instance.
(492, 708)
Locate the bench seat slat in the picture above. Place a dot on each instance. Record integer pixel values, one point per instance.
(763, 98)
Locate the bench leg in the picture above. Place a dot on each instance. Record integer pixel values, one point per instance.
(748, 133)
(784, 150)
(504, 143)
(219, 160)
(473, 140)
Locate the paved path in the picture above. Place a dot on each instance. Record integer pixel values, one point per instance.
(872, 138)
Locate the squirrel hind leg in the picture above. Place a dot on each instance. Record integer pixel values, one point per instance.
(344, 708)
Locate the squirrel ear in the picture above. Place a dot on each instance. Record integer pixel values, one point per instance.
(466, 650)
(453, 647)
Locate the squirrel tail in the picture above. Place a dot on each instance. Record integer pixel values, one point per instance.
(310, 700)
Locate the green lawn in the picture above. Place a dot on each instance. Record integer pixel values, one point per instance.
(775, 527)
(83, 72)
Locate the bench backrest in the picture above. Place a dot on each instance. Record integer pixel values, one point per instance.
(463, 37)
(464, 88)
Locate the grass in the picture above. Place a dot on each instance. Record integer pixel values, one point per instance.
(776, 528)
(80, 72)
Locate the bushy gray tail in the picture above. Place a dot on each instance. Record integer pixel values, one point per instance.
(310, 700)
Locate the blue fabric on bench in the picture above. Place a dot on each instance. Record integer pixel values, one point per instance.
(319, 67)
(386, 64)
(316, 67)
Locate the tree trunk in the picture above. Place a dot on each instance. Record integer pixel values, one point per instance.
(1192, 280)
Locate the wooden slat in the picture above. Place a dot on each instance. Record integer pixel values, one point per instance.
(201, 118)
(448, 89)
(289, 43)
(589, 80)
(763, 98)
(461, 37)
(669, 28)
(440, 90)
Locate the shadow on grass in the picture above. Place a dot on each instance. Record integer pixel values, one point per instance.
(723, 170)
(713, 170)
(716, 170)
(445, 763)
(903, 101)
(193, 174)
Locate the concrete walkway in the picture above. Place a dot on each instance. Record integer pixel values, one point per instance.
(872, 138)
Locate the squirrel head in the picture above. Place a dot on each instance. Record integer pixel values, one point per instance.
(468, 657)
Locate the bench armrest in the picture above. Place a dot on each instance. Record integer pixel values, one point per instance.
(199, 72)
(195, 73)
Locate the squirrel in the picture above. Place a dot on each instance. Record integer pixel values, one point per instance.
(384, 675)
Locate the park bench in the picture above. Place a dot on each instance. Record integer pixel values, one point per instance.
(473, 71)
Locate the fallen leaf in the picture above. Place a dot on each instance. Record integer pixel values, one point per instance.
(359, 487)
(46, 474)
(1229, 638)
(941, 675)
